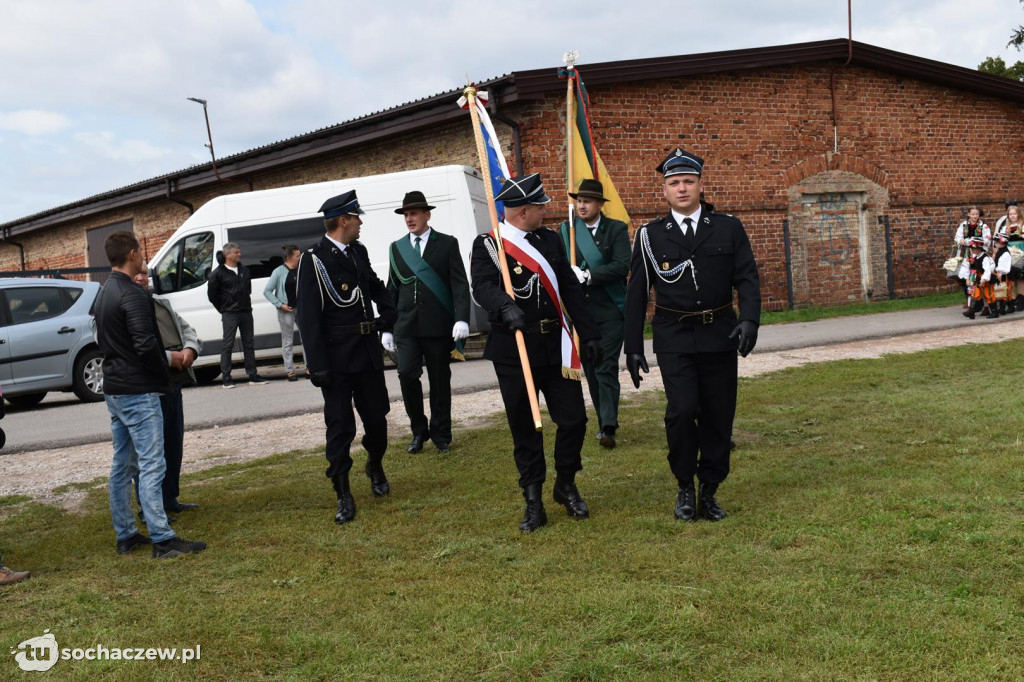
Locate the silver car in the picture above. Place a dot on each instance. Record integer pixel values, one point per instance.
(46, 341)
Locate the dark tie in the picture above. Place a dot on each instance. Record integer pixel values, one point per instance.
(688, 230)
(417, 241)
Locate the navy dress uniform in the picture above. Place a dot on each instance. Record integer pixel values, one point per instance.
(535, 310)
(336, 290)
(693, 259)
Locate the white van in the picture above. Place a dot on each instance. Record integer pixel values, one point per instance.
(262, 222)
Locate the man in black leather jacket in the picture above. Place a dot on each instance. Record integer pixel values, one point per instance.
(135, 374)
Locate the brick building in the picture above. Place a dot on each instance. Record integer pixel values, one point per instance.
(850, 165)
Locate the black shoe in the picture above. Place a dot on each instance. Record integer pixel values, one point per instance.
(170, 519)
(709, 508)
(228, 383)
(415, 445)
(176, 547)
(565, 493)
(378, 481)
(178, 507)
(969, 314)
(257, 379)
(346, 504)
(128, 544)
(534, 517)
(1002, 307)
(292, 376)
(443, 447)
(607, 437)
(686, 503)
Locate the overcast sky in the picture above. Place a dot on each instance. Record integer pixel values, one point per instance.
(93, 93)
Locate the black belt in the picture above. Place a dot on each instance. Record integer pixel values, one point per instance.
(538, 327)
(695, 317)
(361, 328)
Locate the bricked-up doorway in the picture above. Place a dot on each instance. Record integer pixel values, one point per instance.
(95, 255)
(837, 243)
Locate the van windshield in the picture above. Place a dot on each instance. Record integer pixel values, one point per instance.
(261, 244)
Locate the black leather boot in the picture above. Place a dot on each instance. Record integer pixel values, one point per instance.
(534, 517)
(565, 493)
(1011, 306)
(709, 508)
(378, 481)
(686, 503)
(1002, 307)
(346, 504)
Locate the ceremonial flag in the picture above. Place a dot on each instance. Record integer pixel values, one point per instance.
(496, 160)
(587, 163)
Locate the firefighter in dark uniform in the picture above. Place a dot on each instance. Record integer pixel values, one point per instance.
(336, 290)
(541, 277)
(693, 259)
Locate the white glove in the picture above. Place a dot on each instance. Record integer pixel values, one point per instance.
(460, 331)
(387, 339)
(582, 275)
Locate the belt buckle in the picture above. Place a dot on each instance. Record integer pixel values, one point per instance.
(707, 316)
(546, 326)
(366, 327)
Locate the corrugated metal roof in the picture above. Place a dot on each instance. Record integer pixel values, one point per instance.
(513, 87)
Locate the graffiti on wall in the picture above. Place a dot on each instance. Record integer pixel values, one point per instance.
(834, 235)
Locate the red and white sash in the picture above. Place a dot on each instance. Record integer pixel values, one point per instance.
(516, 246)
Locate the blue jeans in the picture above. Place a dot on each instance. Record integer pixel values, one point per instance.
(137, 427)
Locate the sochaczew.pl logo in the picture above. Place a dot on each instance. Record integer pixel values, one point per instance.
(39, 654)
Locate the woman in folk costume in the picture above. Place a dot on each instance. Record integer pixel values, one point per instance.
(967, 230)
(1001, 275)
(980, 267)
(1015, 242)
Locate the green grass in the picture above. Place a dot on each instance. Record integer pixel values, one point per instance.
(820, 313)
(875, 532)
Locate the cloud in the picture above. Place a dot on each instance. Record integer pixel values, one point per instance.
(109, 146)
(33, 121)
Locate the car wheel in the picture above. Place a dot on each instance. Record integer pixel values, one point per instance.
(26, 399)
(88, 380)
(3, 439)
(206, 375)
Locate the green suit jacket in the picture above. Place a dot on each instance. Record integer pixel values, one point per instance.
(420, 312)
(612, 240)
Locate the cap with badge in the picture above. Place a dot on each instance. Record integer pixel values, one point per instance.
(343, 204)
(681, 162)
(522, 191)
(591, 189)
(414, 200)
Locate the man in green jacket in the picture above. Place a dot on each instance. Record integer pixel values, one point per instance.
(602, 263)
(428, 279)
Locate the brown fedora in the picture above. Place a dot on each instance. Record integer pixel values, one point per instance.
(414, 200)
(590, 188)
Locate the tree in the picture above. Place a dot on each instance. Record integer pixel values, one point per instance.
(997, 67)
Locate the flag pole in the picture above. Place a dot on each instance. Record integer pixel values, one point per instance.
(570, 63)
(506, 279)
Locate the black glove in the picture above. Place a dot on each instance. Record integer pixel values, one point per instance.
(747, 333)
(634, 363)
(512, 315)
(595, 353)
(320, 378)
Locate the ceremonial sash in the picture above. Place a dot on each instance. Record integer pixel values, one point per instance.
(424, 273)
(592, 255)
(516, 246)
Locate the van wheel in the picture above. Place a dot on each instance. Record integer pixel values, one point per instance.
(88, 379)
(206, 375)
(26, 400)
(3, 439)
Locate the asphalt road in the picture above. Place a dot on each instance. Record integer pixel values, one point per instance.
(62, 421)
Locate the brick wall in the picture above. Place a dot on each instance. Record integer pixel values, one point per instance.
(922, 152)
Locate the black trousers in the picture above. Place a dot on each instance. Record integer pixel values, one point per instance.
(174, 440)
(368, 392)
(243, 324)
(701, 392)
(436, 352)
(603, 378)
(564, 399)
